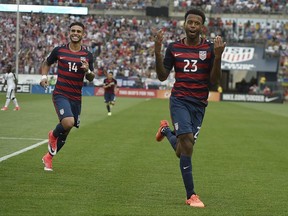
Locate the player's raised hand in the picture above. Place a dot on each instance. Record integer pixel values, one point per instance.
(85, 65)
(158, 39)
(44, 81)
(219, 46)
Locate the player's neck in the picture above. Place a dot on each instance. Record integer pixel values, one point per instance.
(194, 42)
(75, 47)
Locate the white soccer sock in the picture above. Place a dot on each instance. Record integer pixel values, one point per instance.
(7, 102)
(15, 102)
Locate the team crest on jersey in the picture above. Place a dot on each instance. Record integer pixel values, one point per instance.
(176, 126)
(202, 55)
(61, 111)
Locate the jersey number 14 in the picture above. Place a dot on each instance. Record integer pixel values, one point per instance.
(72, 66)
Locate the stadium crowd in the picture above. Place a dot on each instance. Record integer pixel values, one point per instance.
(210, 6)
(130, 39)
(124, 45)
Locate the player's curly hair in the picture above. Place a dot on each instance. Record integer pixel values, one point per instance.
(196, 11)
(78, 24)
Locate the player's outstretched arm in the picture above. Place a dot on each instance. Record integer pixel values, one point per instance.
(89, 75)
(44, 71)
(216, 72)
(162, 73)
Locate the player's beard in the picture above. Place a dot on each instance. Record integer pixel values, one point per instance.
(192, 35)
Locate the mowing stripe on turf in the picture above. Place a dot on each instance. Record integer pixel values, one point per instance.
(23, 150)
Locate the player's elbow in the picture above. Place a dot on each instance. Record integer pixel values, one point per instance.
(90, 77)
(214, 81)
(161, 79)
(215, 78)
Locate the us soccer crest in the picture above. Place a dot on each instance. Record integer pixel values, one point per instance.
(82, 58)
(202, 55)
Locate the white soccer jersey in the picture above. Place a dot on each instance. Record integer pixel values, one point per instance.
(10, 77)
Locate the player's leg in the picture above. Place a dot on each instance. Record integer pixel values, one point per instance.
(165, 131)
(182, 124)
(183, 117)
(66, 118)
(108, 107)
(61, 132)
(185, 142)
(14, 99)
(112, 100)
(107, 102)
(67, 122)
(197, 115)
(15, 104)
(8, 98)
(68, 114)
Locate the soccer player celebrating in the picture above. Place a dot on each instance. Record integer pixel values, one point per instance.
(11, 82)
(110, 85)
(74, 63)
(197, 62)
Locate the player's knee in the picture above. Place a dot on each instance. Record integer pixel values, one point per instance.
(68, 123)
(186, 141)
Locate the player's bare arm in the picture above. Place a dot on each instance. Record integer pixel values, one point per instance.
(89, 75)
(162, 73)
(44, 71)
(216, 72)
(106, 85)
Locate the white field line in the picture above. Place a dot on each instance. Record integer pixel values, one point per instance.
(23, 150)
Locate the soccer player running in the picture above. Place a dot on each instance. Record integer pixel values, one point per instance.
(11, 82)
(110, 86)
(74, 62)
(197, 62)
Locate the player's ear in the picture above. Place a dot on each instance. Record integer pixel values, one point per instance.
(202, 30)
(183, 25)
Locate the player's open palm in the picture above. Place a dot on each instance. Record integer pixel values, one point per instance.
(158, 41)
(219, 46)
(44, 83)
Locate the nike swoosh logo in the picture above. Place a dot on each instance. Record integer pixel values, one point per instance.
(61, 57)
(177, 54)
(51, 150)
(270, 99)
(186, 167)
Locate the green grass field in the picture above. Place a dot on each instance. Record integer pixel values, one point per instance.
(112, 165)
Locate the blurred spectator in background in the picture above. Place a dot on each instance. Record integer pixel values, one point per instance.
(52, 80)
(254, 89)
(267, 91)
(262, 82)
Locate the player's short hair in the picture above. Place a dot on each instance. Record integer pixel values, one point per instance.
(78, 24)
(196, 12)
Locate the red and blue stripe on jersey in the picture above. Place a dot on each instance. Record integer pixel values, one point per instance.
(192, 66)
(70, 74)
(111, 89)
